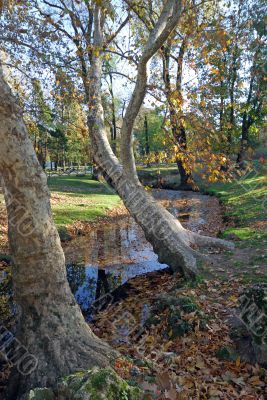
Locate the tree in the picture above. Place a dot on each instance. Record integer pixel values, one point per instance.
(69, 138)
(108, 70)
(178, 58)
(51, 325)
(90, 35)
(253, 109)
(42, 116)
(170, 240)
(227, 55)
(147, 132)
(175, 103)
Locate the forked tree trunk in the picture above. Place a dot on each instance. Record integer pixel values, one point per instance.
(173, 244)
(51, 326)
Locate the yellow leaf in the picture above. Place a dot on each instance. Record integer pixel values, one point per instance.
(232, 298)
(215, 71)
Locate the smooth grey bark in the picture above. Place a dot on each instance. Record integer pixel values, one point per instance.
(173, 244)
(51, 325)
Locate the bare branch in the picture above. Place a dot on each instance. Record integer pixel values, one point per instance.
(122, 55)
(15, 40)
(18, 68)
(52, 22)
(115, 34)
(53, 5)
(121, 74)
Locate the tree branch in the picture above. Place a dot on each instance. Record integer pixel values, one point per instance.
(132, 7)
(18, 68)
(113, 35)
(167, 21)
(15, 40)
(53, 5)
(122, 55)
(121, 74)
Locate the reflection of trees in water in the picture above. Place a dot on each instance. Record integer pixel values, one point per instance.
(77, 276)
(102, 285)
(107, 245)
(89, 283)
(109, 248)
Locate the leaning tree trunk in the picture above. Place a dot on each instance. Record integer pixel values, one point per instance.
(173, 244)
(51, 326)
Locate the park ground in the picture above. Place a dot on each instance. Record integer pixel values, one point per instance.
(201, 364)
(196, 363)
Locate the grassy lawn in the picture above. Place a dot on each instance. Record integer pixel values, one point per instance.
(80, 198)
(245, 200)
(246, 204)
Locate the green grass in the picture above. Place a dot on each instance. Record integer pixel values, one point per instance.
(249, 279)
(246, 202)
(78, 184)
(80, 198)
(163, 169)
(168, 173)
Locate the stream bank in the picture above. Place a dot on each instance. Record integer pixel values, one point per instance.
(106, 256)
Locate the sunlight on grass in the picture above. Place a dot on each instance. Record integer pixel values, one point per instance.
(245, 201)
(80, 198)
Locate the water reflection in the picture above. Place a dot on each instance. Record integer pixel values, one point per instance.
(106, 258)
(91, 283)
(121, 242)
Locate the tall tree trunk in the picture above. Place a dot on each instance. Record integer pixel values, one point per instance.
(242, 155)
(221, 116)
(147, 149)
(114, 125)
(187, 182)
(173, 244)
(232, 99)
(177, 126)
(51, 326)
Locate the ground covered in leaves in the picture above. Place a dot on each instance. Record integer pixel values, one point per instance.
(174, 336)
(198, 360)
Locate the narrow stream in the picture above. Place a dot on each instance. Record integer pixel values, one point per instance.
(110, 255)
